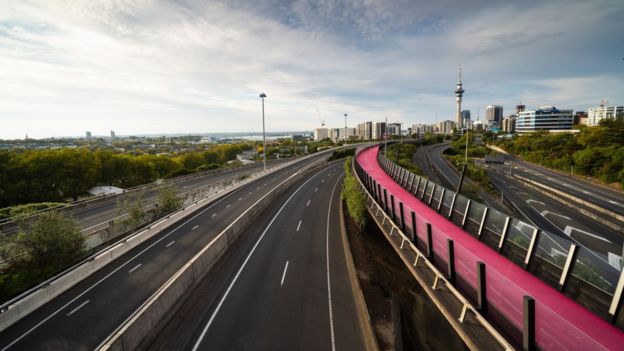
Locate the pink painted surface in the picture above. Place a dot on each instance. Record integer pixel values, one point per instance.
(561, 323)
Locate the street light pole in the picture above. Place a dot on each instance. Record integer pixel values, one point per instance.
(262, 96)
(346, 133)
(386, 138)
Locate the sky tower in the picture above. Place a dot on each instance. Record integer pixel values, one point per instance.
(459, 91)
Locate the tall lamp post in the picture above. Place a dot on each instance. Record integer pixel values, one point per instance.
(346, 133)
(262, 96)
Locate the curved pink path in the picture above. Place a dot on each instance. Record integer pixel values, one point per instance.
(561, 323)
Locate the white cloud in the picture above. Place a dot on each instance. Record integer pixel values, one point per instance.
(150, 66)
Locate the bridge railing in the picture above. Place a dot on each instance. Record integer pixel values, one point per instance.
(581, 274)
(506, 285)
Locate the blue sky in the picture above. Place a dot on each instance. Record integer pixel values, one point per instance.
(142, 66)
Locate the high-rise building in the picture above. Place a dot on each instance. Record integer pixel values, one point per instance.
(597, 114)
(446, 127)
(365, 130)
(520, 108)
(580, 117)
(459, 92)
(465, 116)
(509, 124)
(393, 128)
(88, 135)
(321, 133)
(545, 118)
(112, 134)
(494, 115)
(379, 129)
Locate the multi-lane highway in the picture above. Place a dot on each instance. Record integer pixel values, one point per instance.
(535, 207)
(284, 288)
(83, 316)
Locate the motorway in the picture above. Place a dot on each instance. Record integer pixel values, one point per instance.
(102, 212)
(284, 288)
(84, 315)
(538, 209)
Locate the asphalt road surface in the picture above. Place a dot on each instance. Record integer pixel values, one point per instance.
(83, 316)
(540, 210)
(285, 287)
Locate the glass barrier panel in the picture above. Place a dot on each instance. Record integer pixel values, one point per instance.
(517, 241)
(437, 197)
(494, 225)
(428, 191)
(592, 281)
(549, 258)
(421, 188)
(475, 214)
(446, 202)
(459, 209)
(416, 184)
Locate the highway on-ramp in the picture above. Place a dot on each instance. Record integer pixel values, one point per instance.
(84, 315)
(285, 287)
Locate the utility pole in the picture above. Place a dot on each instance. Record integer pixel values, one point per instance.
(262, 96)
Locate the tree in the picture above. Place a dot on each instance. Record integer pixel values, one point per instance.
(168, 200)
(352, 194)
(132, 211)
(52, 241)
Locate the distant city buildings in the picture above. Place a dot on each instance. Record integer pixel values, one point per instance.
(446, 127)
(88, 135)
(466, 121)
(580, 117)
(365, 130)
(597, 114)
(494, 115)
(547, 118)
(321, 133)
(112, 134)
(393, 129)
(379, 130)
(509, 124)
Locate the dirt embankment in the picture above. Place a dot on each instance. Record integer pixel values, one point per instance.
(383, 278)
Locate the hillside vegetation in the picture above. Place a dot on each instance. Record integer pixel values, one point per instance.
(595, 151)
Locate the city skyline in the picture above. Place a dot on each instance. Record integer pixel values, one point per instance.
(150, 68)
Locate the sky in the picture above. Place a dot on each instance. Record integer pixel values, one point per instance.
(143, 66)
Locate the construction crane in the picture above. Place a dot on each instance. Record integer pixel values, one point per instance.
(604, 102)
(319, 117)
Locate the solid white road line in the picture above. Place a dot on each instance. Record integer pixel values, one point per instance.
(331, 313)
(214, 214)
(77, 308)
(315, 190)
(240, 198)
(546, 213)
(228, 206)
(16, 340)
(308, 204)
(535, 201)
(568, 231)
(135, 268)
(298, 225)
(284, 274)
(240, 270)
(195, 227)
(171, 243)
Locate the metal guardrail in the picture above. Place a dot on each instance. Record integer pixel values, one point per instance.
(424, 259)
(579, 273)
